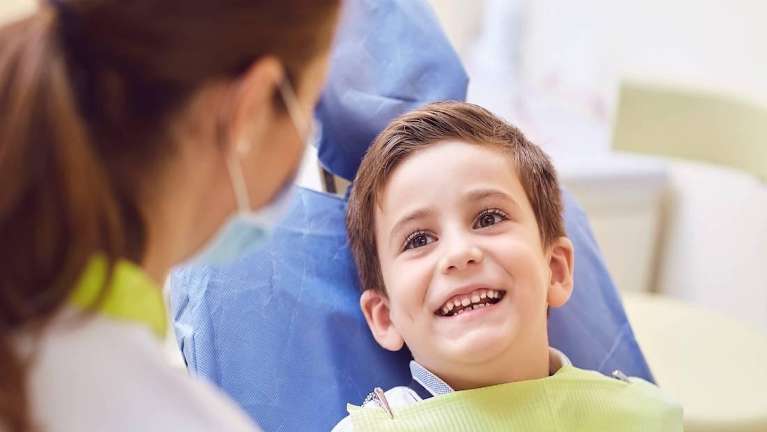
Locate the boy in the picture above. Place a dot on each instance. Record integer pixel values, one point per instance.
(455, 223)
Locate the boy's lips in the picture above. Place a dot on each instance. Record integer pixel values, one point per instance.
(467, 299)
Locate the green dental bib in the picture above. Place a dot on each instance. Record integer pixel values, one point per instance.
(571, 400)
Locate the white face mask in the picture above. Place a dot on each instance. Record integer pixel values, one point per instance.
(248, 228)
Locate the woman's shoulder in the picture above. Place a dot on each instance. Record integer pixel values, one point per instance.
(102, 374)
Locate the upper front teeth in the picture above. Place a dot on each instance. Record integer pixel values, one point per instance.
(476, 298)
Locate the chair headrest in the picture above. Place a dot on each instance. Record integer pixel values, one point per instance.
(389, 57)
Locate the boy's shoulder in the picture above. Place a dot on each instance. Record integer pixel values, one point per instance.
(616, 400)
(583, 380)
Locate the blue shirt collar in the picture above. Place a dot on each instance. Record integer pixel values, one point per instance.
(430, 382)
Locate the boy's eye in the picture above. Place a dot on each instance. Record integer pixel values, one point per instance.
(489, 217)
(418, 239)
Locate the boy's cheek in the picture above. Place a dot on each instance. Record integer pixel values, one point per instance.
(405, 281)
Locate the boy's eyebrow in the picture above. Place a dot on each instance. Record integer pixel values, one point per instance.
(409, 217)
(480, 194)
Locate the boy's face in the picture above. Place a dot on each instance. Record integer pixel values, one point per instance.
(467, 278)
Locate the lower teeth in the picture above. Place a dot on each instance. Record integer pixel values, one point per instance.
(471, 307)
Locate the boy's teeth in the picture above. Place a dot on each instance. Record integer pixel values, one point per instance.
(447, 308)
(479, 299)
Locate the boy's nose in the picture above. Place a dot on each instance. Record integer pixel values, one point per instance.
(460, 258)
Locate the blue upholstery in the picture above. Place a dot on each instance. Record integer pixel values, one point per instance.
(281, 331)
(390, 57)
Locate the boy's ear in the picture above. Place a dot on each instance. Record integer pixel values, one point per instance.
(561, 265)
(375, 307)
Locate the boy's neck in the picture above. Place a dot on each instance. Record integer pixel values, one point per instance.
(533, 363)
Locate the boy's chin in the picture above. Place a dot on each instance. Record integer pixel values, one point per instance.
(480, 348)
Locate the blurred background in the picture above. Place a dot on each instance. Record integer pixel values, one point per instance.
(655, 113)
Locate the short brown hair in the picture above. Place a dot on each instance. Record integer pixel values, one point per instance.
(431, 124)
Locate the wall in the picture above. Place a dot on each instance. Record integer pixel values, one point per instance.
(720, 45)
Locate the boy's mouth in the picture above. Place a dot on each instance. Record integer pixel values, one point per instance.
(477, 299)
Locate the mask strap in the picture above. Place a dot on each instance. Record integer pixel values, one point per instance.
(238, 183)
(294, 109)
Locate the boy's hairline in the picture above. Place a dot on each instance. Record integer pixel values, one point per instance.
(381, 185)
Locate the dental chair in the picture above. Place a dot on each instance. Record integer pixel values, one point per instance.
(281, 331)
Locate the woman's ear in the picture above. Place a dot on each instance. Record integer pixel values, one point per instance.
(375, 307)
(253, 105)
(561, 265)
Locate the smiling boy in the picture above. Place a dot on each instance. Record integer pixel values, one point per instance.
(455, 222)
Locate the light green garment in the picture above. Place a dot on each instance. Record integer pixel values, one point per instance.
(571, 400)
(132, 296)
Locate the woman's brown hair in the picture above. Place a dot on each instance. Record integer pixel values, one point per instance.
(429, 125)
(87, 88)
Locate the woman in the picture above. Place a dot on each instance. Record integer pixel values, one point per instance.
(135, 135)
